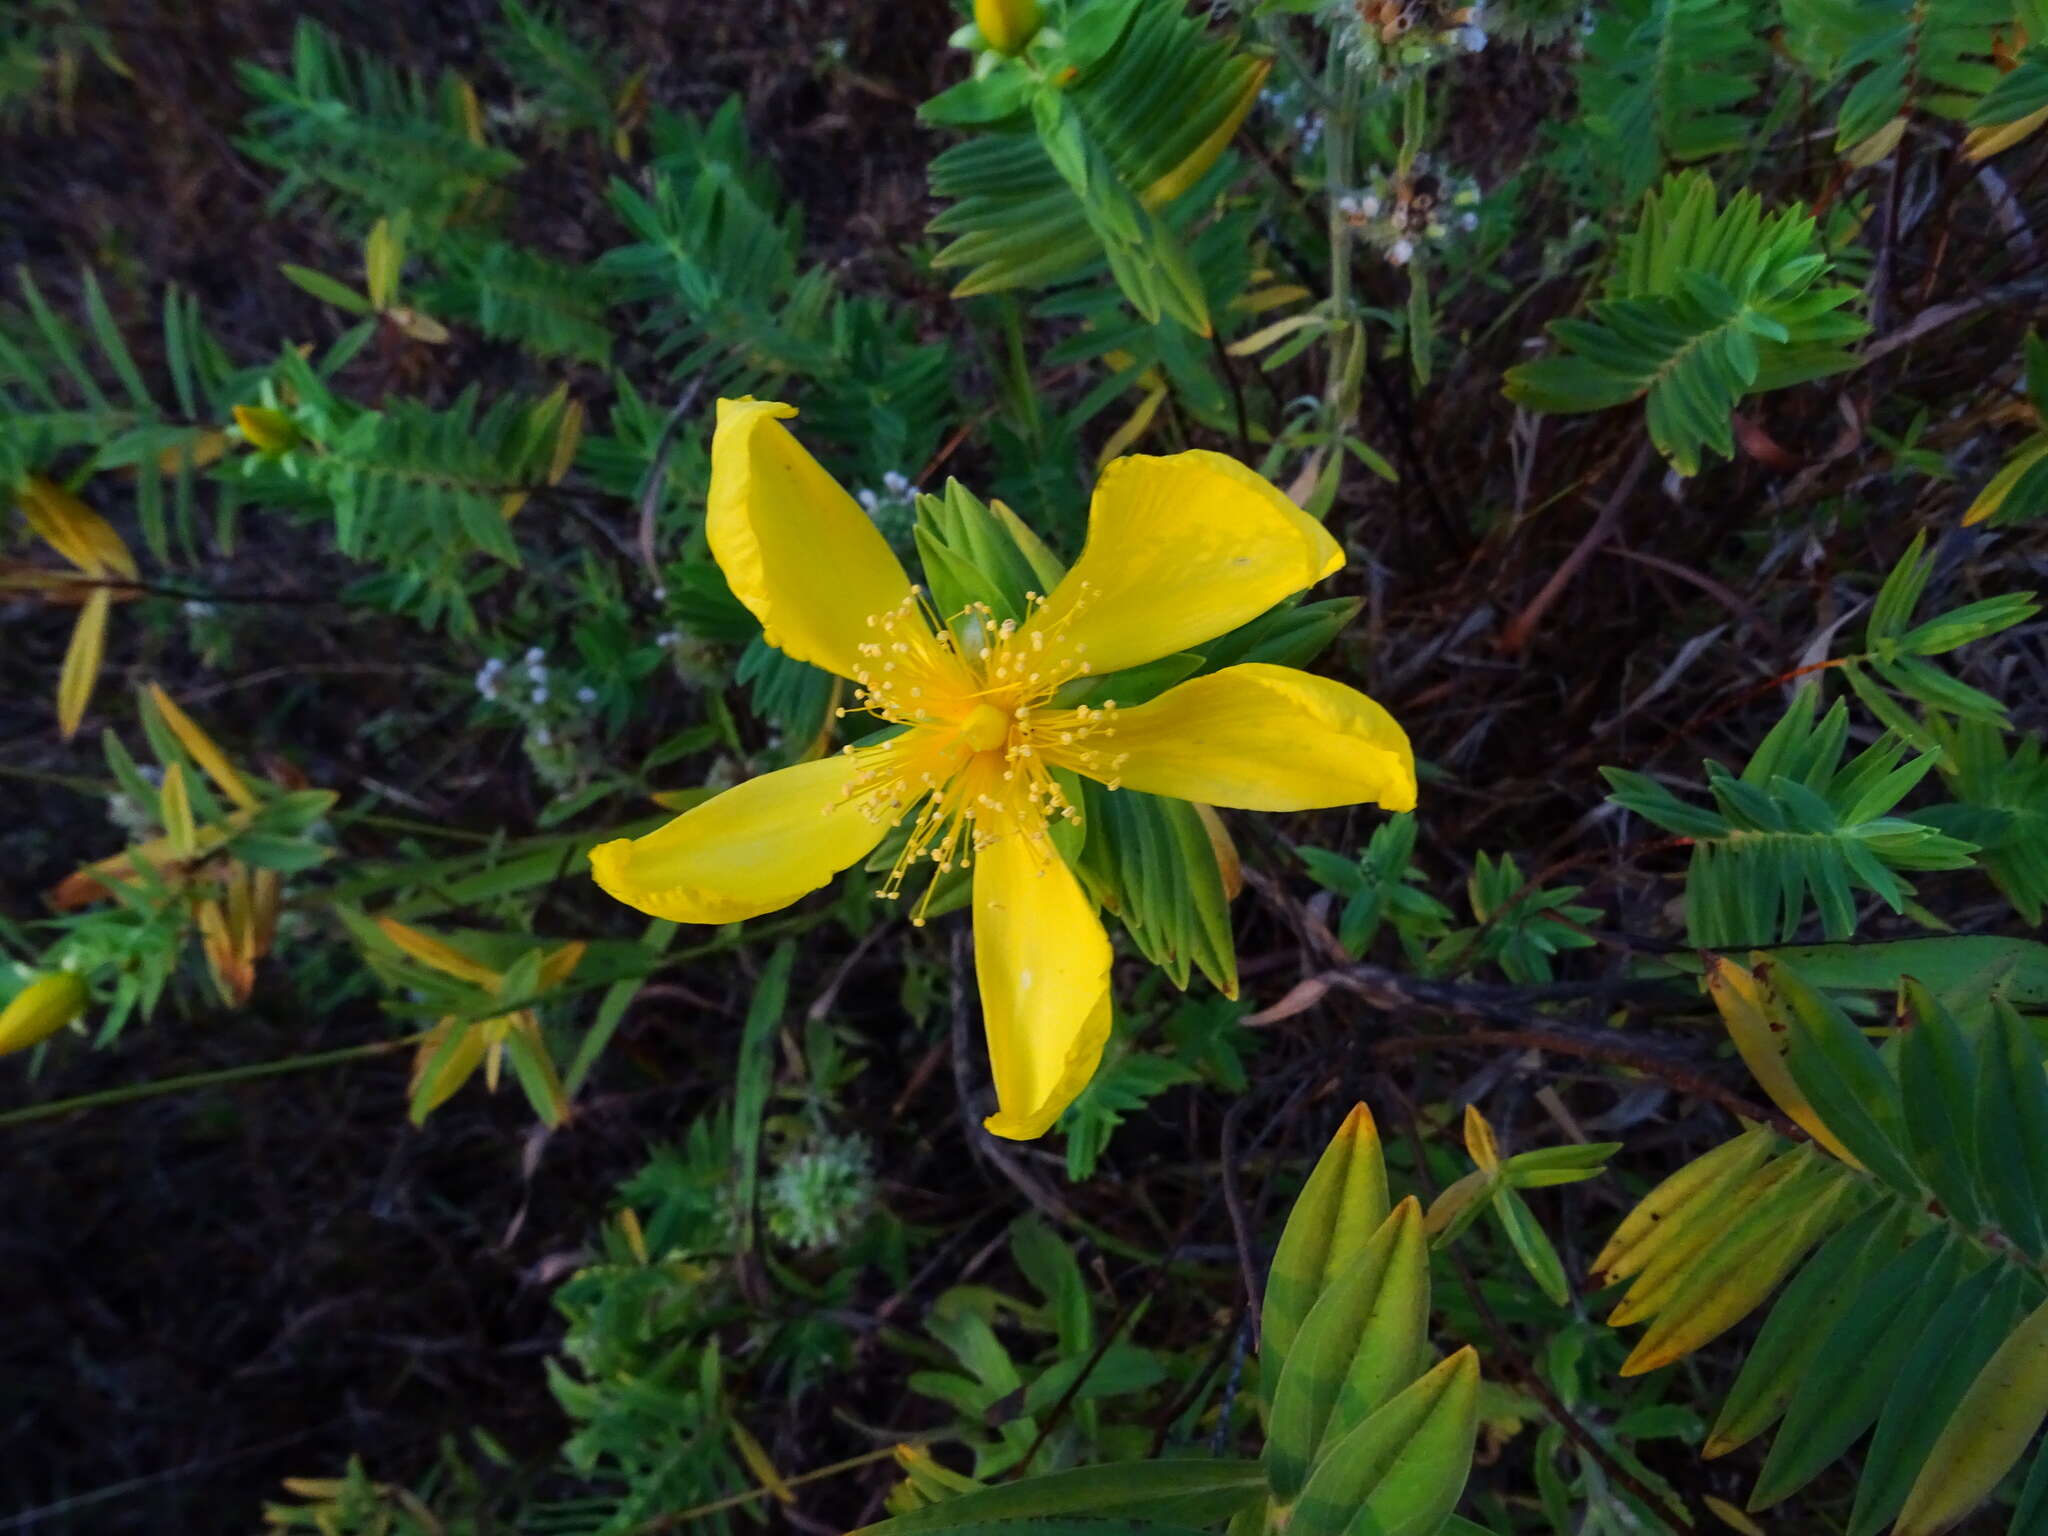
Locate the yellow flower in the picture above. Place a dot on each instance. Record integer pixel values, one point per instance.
(1007, 25)
(1179, 550)
(40, 1009)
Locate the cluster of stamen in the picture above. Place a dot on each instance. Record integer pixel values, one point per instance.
(983, 738)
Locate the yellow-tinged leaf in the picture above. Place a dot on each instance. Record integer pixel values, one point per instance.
(40, 1009)
(1643, 1227)
(567, 436)
(176, 801)
(431, 951)
(204, 751)
(756, 1457)
(636, 1239)
(2000, 485)
(233, 976)
(1455, 1200)
(82, 662)
(472, 110)
(383, 256)
(1228, 864)
(1704, 1306)
(1479, 1140)
(1203, 155)
(1266, 335)
(561, 964)
(419, 327)
(509, 507)
(1986, 1434)
(1870, 150)
(203, 447)
(447, 1055)
(1133, 428)
(265, 896)
(73, 529)
(1983, 143)
(1698, 1228)
(1757, 1025)
(1263, 299)
(1730, 1516)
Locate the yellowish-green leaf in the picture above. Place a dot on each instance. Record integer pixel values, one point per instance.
(204, 751)
(1762, 1040)
(82, 656)
(1986, 1434)
(1656, 1221)
(1341, 1206)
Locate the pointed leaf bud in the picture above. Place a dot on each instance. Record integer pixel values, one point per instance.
(40, 1009)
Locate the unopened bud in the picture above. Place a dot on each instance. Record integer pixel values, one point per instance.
(271, 431)
(1007, 25)
(40, 1009)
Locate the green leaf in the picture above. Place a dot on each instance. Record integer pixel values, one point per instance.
(1361, 1343)
(1958, 1339)
(1799, 1323)
(1343, 1203)
(1401, 1471)
(325, 288)
(1194, 1492)
(1857, 1365)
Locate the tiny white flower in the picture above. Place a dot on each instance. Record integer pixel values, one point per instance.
(541, 736)
(661, 594)
(1472, 39)
(1468, 221)
(666, 639)
(1399, 252)
(895, 484)
(536, 671)
(540, 694)
(868, 499)
(1369, 205)
(586, 695)
(535, 654)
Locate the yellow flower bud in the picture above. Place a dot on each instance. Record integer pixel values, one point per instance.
(1007, 25)
(268, 430)
(40, 1009)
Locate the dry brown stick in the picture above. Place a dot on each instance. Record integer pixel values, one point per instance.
(1523, 625)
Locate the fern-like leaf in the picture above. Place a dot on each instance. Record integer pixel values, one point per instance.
(1703, 308)
(1661, 81)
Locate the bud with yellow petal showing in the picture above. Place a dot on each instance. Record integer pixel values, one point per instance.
(271, 431)
(40, 1009)
(1007, 25)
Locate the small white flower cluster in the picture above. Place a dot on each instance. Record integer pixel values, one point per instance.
(1396, 214)
(1304, 124)
(1397, 36)
(528, 689)
(896, 491)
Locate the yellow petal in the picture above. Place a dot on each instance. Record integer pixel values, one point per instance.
(40, 1009)
(795, 548)
(757, 847)
(1179, 551)
(1260, 738)
(1043, 962)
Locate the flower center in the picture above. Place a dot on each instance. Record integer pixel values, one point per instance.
(984, 737)
(985, 728)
